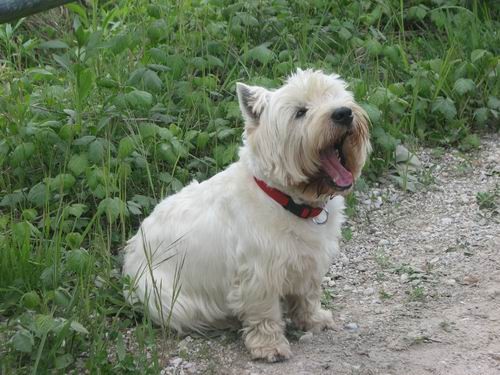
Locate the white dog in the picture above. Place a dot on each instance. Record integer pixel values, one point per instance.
(264, 230)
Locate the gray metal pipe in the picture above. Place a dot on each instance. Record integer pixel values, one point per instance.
(11, 10)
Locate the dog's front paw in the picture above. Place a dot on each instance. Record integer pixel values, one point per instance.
(319, 321)
(275, 353)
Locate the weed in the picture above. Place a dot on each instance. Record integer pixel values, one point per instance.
(327, 298)
(384, 295)
(346, 234)
(488, 200)
(417, 293)
(382, 259)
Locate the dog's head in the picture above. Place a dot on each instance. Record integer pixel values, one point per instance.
(308, 137)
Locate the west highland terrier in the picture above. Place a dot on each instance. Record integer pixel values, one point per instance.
(258, 237)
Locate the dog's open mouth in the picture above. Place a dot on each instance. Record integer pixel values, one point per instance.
(333, 164)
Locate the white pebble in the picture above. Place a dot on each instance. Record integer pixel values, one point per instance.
(306, 338)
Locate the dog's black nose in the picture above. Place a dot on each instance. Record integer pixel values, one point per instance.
(342, 116)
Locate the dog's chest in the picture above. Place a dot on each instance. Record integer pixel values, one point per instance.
(305, 266)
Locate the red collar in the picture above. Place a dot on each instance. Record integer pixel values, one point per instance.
(301, 210)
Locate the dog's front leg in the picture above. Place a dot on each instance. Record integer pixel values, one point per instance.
(255, 300)
(306, 312)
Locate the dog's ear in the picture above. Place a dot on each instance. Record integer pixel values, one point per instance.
(253, 100)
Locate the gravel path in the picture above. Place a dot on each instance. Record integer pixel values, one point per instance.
(417, 290)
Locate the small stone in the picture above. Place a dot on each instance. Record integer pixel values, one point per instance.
(404, 278)
(495, 356)
(326, 279)
(306, 338)
(368, 291)
(353, 327)
(446, 220)
(493, 293)
(175, 362)
(470, 280)
(434, 260)
(450, 282)
(331, 283)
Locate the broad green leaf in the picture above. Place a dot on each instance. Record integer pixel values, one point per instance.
(139, 99)
(260, 53)
(61, 298)
(494, 103)
(148, 130)
(344, 33)
(77, 260)
(417, 12)
(199, 62)
(86, 78)
(74, 239)
(157, 30)
(39, 194)
(11, 199)
(78, 327)
(120, 347)
(202, 140)
(23, 341)
(373, 112)
(112, 207)
(248, 19)
(478, 54)
(214, 61)
(134, 208)
(44, 324)
(373, 47)
(21, 232)
(77, 209)
(31, 300)
(107, 83)
(119, 43)
(481, 115)
(151, 81)
(54, 44)
(386, 141)
(83, 141)
(96, 151)
(63, 60)
(78, 163)
(166, 152)
(464, 85)
(22, 153)
(444, 106)
(63, 361)
(470, 142)
(126, 147)
(63, 181)
(154, 11)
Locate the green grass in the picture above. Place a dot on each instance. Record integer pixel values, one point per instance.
(106, 109)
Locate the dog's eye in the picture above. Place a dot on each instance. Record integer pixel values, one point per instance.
(301, 112)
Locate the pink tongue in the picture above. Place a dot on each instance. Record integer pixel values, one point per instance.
(332, 165)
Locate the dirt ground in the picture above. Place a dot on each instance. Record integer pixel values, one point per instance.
(416, 291)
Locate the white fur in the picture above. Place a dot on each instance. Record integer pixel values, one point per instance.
(237, 253)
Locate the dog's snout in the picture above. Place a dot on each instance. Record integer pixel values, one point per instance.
(342, 116)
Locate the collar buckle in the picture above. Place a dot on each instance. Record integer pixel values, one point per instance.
(322, 218)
